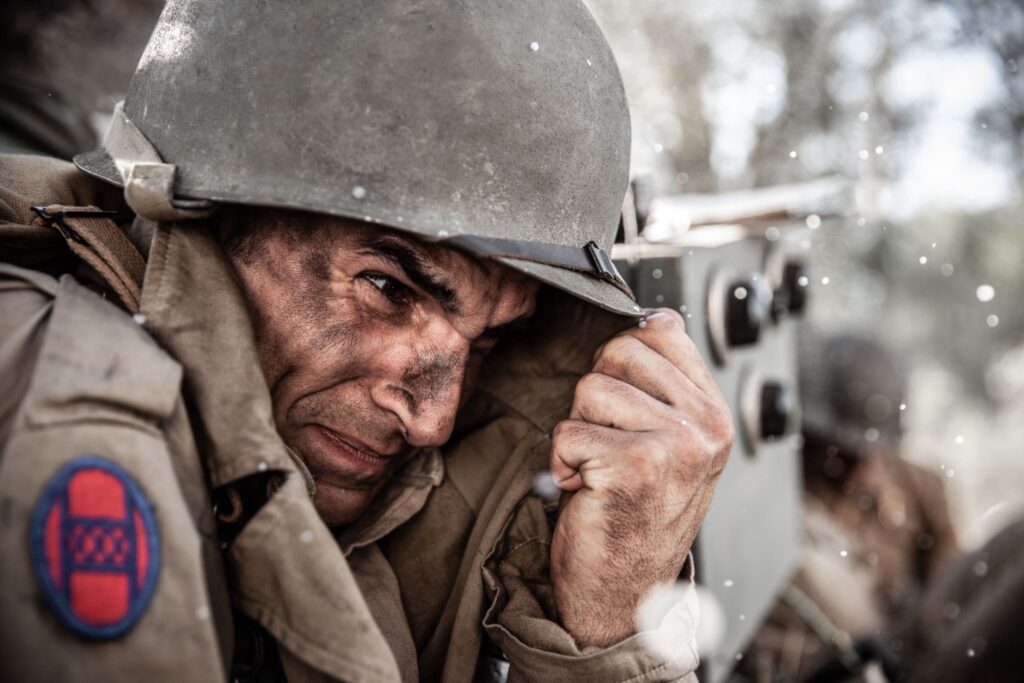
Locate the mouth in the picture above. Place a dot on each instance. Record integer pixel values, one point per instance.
(351, 461)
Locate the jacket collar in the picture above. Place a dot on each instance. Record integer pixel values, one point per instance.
(288, 572)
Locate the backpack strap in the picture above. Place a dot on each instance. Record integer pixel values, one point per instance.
(95, 238)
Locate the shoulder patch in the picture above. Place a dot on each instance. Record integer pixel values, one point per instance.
(95, 548)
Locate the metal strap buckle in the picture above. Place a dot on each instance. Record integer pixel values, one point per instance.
(55, 219)
(604, 268)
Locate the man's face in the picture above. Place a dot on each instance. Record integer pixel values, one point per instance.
(369, 340)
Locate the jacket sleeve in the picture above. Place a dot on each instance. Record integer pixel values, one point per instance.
(522, 619)
(103, 570)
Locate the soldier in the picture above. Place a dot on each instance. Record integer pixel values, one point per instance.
(875, 524)
(266, 413)
(36, 116)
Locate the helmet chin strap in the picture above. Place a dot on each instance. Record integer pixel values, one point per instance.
(148, 181)
(589, 259)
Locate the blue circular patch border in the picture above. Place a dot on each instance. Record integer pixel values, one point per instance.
(55, 488)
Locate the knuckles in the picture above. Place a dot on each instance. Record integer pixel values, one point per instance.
(562, 432)
(588, 386)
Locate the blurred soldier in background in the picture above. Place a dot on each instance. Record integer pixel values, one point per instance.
(66, 64)
(264, 411)
(877, 527)
(36, 116)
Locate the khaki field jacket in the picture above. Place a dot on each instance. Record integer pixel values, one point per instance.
(161, 398)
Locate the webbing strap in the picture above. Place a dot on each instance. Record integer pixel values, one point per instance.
(589, 259)
(94, 237)
(148, 181)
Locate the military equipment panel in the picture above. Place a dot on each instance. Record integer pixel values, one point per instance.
(739, 283)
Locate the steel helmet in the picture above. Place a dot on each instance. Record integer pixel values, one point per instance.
(500, 128)
(851, 388)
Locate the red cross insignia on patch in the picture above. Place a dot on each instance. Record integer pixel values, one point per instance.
(95, 547)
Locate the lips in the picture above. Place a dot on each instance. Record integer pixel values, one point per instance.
(350, 456)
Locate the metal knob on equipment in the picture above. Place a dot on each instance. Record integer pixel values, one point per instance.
(745, 313)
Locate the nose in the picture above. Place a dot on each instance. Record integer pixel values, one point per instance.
(426, 386)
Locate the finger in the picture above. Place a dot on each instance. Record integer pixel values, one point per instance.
(627, 358)
(664, 331)
(580, 453)
(610, 402)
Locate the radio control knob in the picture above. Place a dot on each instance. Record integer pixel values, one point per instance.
(777, 405)
(745, 313)
(791, 296)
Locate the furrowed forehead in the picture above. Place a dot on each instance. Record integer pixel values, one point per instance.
(458, 280)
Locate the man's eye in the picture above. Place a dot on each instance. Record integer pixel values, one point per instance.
(394, 290)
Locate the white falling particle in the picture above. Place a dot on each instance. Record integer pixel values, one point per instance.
(442, 234)
(659, 148)
(825, 280)
(813, 221)
(590, 63)
(657, 273)
(863, 154)
(728, 583)
(862, 221)
(903, 406)
(843, 553)
(743, 617)
(934, 244)
(959, 440)
(792, 154)
(985, 293)
(803, 281)
(139, 319)
(879, 150)
(923, 260)
(980, 568)
(949, 473)
(262, 467)
(740, 293)
(992, 320)
(535, 46)
(772, 234)
(970, 652)
(544, 486)
(306, 536)
(359, 192)
(863, 116)
(666, 616)
(202, 613)
(947, 269)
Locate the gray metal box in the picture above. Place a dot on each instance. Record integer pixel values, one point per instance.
(750, 542)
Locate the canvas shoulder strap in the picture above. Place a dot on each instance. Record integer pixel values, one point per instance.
(93, 236)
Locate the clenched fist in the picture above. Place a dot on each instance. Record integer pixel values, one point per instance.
(637, 460)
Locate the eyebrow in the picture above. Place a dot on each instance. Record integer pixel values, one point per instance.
(416, 268)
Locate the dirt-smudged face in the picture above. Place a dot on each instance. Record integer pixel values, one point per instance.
(369, 340)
